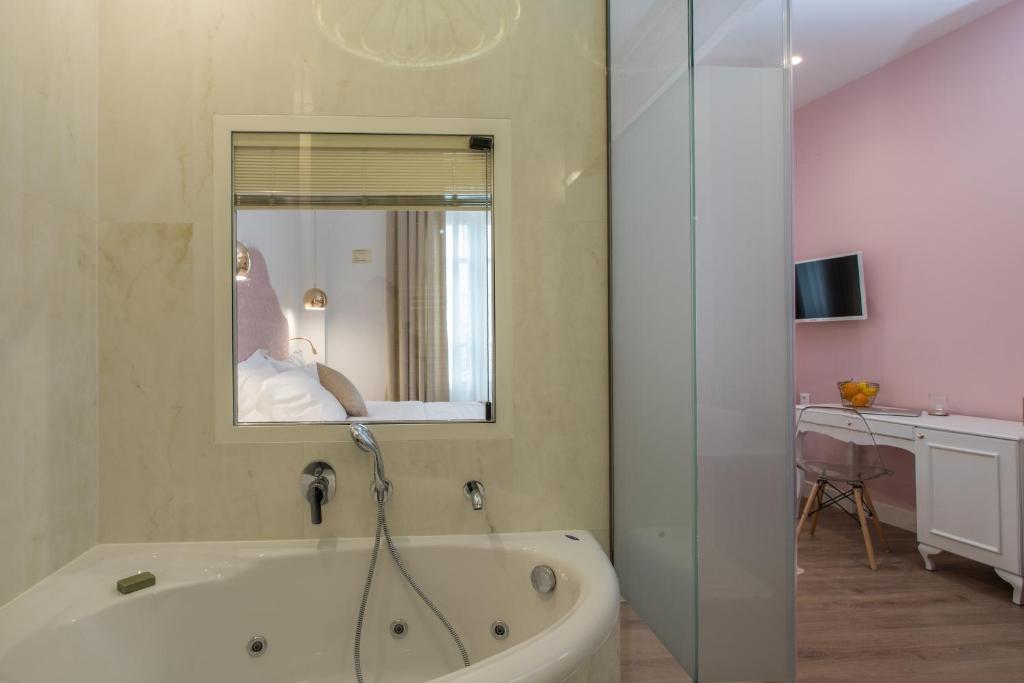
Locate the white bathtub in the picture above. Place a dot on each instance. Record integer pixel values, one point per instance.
(303, 597)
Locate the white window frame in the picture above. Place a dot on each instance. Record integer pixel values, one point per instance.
(225, 428)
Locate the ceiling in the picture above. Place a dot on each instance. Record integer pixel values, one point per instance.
(839, 41)
(842, 40)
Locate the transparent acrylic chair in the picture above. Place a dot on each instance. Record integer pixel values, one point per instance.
(837, 448)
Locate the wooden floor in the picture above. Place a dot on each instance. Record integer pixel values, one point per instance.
(644, 658)
(900, 624)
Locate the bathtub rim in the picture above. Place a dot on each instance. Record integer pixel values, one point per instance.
(552, 654)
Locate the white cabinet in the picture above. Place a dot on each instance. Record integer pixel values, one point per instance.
(970, 482)
(969, 500)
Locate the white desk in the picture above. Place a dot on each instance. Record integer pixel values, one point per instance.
(970, 483)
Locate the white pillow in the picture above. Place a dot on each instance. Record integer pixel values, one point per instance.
(292, 362)
(252, 372)
(296, 396)
(258, 359)
(271, 390)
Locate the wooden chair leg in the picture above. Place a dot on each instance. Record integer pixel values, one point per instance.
(858, 497)
(807, 508)
(817, 512)
(874, 518)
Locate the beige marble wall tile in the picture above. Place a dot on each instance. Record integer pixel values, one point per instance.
(165, 69)
(48, 333)
(144, 123)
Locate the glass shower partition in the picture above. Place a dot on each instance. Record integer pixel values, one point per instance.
(744, 313)
(703, 480)
(653, 432)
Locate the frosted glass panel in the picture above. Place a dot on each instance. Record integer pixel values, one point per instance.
(701, 331)
(652, 331)
(744, 315)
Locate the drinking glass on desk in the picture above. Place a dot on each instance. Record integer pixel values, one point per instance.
(938, 404)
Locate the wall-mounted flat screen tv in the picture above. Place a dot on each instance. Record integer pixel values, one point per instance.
(831, 288)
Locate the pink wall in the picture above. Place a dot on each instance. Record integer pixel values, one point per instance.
(920, 165)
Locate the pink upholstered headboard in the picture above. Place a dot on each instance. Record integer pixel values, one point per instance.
(260, 322)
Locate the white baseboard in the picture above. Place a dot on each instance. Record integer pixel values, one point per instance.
(899, 517)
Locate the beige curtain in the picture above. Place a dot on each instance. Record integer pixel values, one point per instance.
(417, 310)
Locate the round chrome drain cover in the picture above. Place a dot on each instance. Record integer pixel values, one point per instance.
(499, 630)
(399, 628)
(257, 646)
(543, 579)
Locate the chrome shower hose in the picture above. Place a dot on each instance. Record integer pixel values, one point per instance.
(382, 526)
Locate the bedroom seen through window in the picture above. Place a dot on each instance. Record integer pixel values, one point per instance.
(363, 275)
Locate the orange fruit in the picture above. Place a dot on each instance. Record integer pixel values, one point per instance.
(860, 400)
(871, 391)
(850, 389)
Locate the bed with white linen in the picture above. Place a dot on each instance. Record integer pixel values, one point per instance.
(271, 390)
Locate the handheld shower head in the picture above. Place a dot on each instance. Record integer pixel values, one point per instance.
(364, 439)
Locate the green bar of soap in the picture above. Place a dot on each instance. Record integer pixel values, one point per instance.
(136, 582)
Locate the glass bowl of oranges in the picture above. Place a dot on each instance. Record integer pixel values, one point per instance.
(857, 393)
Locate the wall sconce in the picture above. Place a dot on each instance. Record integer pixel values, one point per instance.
(305, 339)
(243, 262)
(315, 299)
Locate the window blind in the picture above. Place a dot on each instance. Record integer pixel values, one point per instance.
(352, 171)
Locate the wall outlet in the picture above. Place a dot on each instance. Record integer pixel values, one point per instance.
(805, 399)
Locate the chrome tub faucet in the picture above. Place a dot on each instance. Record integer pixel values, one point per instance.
(474, 490)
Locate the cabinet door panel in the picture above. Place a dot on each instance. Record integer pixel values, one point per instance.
(968, 496)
